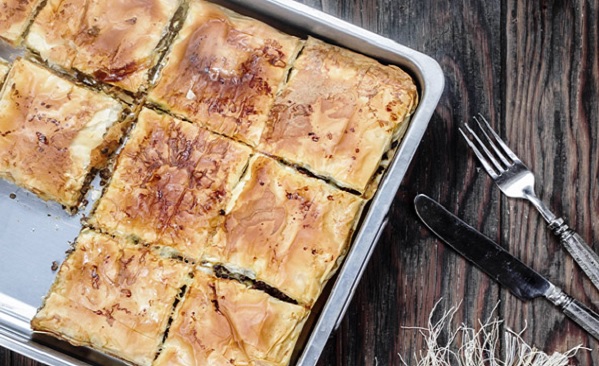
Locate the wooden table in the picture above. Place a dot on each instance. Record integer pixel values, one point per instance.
(533, 69)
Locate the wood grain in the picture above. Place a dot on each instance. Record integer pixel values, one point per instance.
(551, 120)
(533, 69)
(14, 359)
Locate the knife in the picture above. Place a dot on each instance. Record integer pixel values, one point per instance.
(521, 280)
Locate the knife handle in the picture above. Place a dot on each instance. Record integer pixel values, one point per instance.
(575, 310)
(586, 258)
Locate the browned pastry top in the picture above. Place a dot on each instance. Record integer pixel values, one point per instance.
(113, 295)
(285, 229)
(52, 132)
(114, 41)
(222, 322)
(224, 71)
(15, 15)
(339, 113)
(171, 182)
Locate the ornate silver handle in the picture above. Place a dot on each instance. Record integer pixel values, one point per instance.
(575, 310)
(586, 258)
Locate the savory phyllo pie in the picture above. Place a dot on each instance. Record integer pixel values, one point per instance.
(171, 183)
(113, 295)
(338, 114)
(113, 41)
(224, 70)
(285, 229)
(54, 133)
(15, 16)
(222, 322)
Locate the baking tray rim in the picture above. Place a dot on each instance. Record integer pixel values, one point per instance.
(15, 333)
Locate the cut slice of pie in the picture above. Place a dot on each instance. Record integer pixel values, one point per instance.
(224, 70)
(15, 16)
(339, 113)
(114, 296)
(285, 229)
(222, 322)
(54, 133)
(171, 182)
(113, 41)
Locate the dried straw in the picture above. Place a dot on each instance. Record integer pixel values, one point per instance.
(467, 346)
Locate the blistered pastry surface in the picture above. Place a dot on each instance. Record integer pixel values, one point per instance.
(222, 322)
(193, 181)
(52, 132)
(224, 71)
(286, 229)
(113, 41)
(15, 16)
(171, 184)
(113, 295)
(338, 114)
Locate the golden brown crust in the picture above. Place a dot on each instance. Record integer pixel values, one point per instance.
(285, 229)
(114, 41)
(224, 71)
(114, 296)
(180, 186)
(222, 322)
(338, 114)
(171, 182)
(49, 130)
(15, 16)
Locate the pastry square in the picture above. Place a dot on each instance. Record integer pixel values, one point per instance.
(114, 296)
(171, 182)
(339, 113)
(15, 16)
(224, 71)
(53, 133)
(222, 322)
(113, 41)
(285, 229)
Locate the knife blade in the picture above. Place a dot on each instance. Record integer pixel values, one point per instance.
(521, 280)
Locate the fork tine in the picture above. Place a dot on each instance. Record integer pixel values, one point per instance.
(479, 155)
(501, 143)
(490, 157)
(492, 143)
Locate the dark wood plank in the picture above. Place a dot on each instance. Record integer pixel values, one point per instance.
(551, 120)
(14, 359)
(5, 356)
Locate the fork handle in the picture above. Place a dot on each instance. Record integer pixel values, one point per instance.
(586, 258)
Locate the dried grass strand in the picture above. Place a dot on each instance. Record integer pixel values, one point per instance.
(467, 346)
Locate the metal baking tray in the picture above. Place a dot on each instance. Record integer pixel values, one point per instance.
(34, 234)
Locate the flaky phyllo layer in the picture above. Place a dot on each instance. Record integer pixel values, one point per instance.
(116, 42)
(15, 17)
(114, 296)
(54, 133)
(230, 201)
(224, 70)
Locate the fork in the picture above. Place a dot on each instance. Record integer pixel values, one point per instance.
(515, 180)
